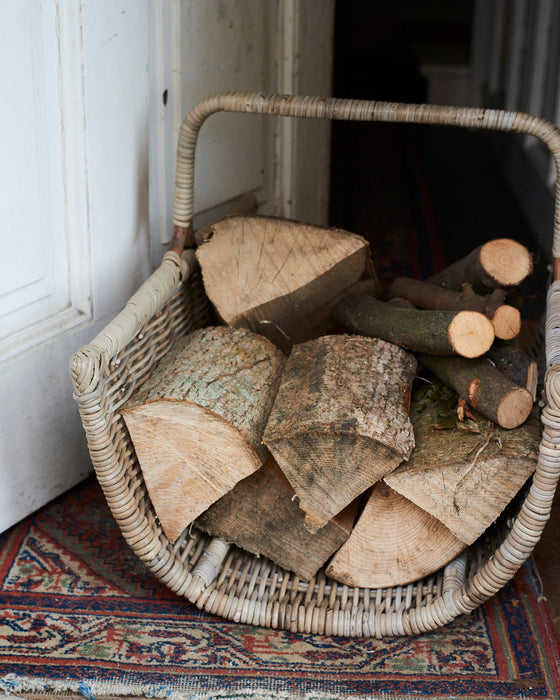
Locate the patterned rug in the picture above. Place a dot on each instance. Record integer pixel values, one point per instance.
(80, 613)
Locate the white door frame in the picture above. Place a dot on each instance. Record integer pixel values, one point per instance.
(298, 35)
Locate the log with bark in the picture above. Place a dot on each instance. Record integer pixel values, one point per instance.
(394, 542)
(197, 422)
(484, 388)
(280, 278)
(466, 333)
(340, 420)
(505, 318)
(501, 262)
(517, 366)
(260, 515)
(467, 474)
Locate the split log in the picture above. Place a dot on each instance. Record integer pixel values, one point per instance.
(261, 516)
(517, 366)
(197, 422)
(280, 278)
(501, 262)
(245, 205)
(465, 333)
(484, 388)
(505, 318)
(340, 420)
(466, 475)
(394, 542)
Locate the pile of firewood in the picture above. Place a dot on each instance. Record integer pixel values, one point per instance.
(289, 429)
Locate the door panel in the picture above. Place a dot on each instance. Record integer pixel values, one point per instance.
(75, 242)
(207, 47)
(224, 45)
(97, 90)
(210, 46)
(36, 263)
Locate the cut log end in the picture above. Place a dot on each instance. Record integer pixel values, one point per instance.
(514, 409)
(506, 322)
(464, 479)
(393, 543)
(189, 458)
(260, 516)
(328, 472)
(281, 278)
(506, 261)
(484, 387)
(197, 421)
(471, 334)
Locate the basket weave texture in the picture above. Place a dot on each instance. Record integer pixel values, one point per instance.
(225, 580)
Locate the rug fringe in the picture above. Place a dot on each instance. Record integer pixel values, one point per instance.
(14, 687)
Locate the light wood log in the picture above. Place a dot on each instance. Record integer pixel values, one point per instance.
(505, 318)
(197, 422)
(465, 333)
(517, 366)
(394, 542)
(501, 262)
(280, 278)
(245, 205)
(484, 388)
(260, 515)
(466, 475)
(340, 420)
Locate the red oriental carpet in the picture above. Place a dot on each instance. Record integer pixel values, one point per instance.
(79, 613)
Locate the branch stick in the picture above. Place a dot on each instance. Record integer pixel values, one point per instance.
(484, 388)
(506, 319)
(501, 262)
(465, 333)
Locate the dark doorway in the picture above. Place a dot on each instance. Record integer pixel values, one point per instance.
(422, 196)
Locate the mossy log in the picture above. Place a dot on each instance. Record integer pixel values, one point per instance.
(340, 420)
(505, 318)
(484, 388)
(465, 333)
(197, 422)
(501, 262)
(394, 542)
(467, 474)
(260, 515)
(280, 278)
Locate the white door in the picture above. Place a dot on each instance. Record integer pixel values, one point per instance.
(73, 221)
(93, 95)
(209, 46)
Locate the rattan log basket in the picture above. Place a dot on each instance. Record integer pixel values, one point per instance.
(227, 581)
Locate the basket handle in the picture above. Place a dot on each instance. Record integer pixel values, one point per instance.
(349, 110)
